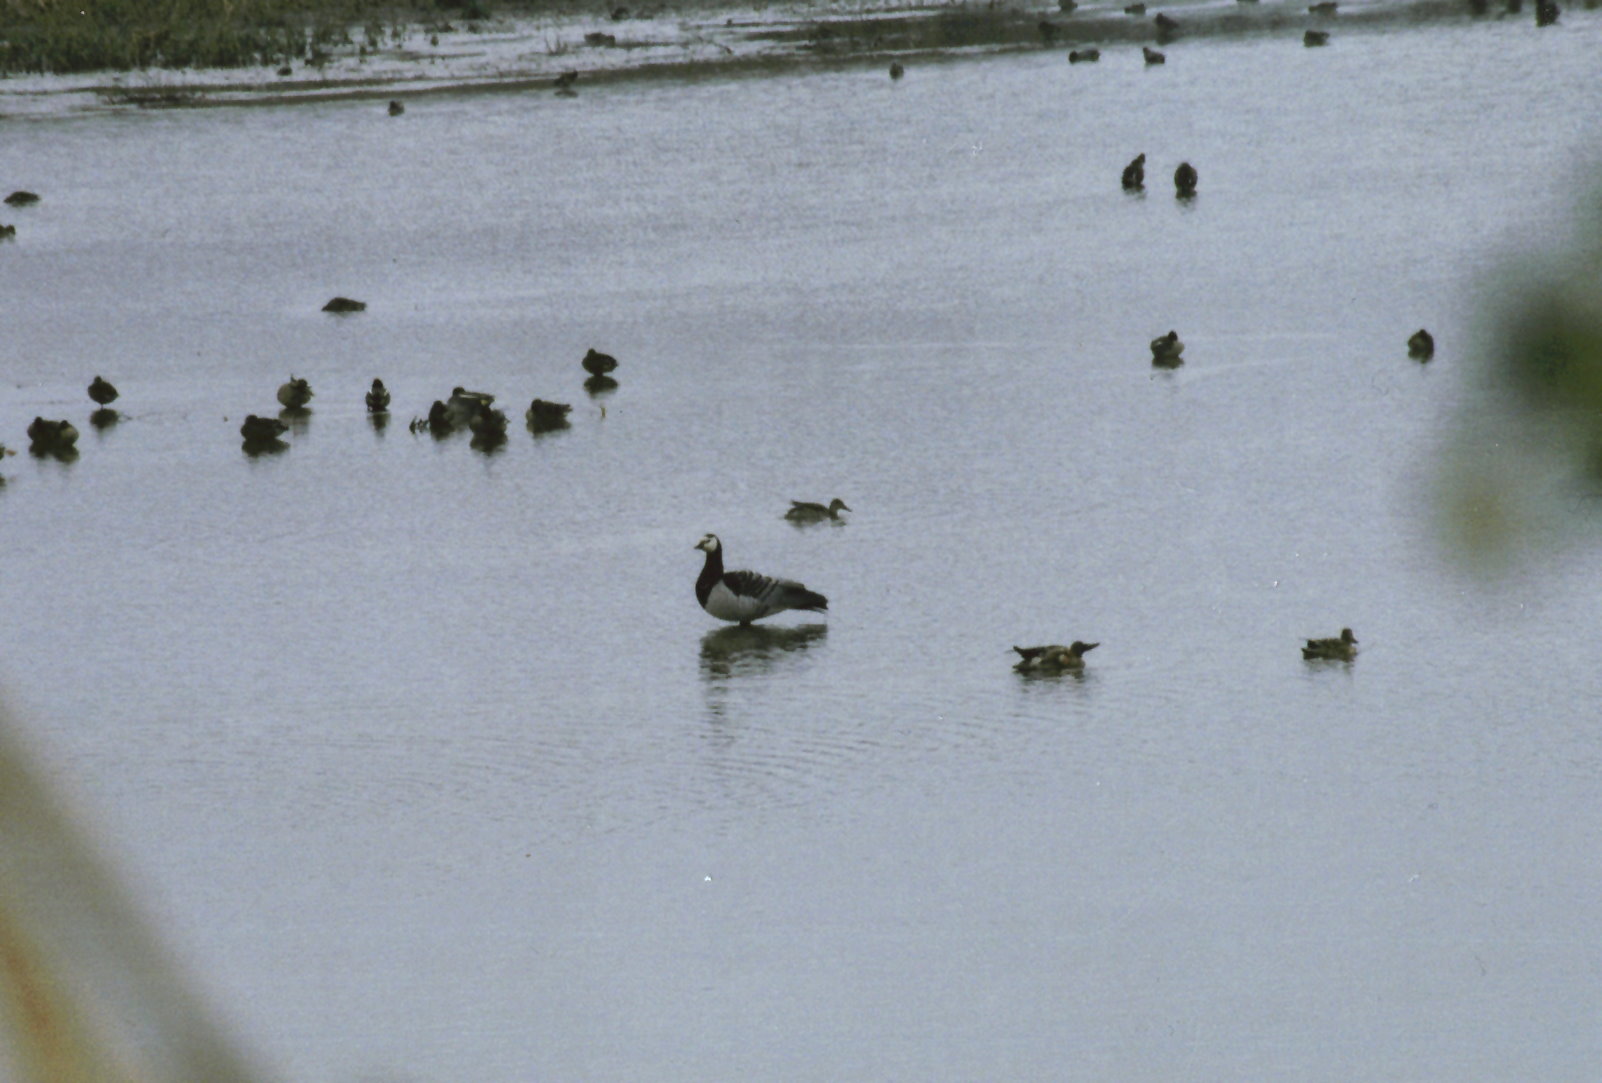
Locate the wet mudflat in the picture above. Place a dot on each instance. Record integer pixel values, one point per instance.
(430, 765)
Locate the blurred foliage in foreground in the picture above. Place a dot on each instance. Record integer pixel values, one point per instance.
(1524, 461)
(86, 993)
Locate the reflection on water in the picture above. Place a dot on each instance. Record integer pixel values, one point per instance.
(740, 651)
(104, 418)
(1052, 676)
(60, 454)
(270, 446)
(488, 442)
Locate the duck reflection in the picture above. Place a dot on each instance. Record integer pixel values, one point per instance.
(295, 418)
(743, 650)
(1051, 676)
(104, 418)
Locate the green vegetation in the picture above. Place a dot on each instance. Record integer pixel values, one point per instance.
(125, 35)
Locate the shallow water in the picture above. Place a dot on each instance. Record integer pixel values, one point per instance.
(430, 766)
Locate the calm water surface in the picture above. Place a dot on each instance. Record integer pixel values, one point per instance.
(432, 769)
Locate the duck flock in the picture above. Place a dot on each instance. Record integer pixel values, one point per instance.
(742, 597)
(739, 596)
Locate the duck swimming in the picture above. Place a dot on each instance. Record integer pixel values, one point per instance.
(1185, 180)
(295, 394)
(261, 430)
(1054, 657)
(378, 397)
(1134, 178)
(598, 364)
(464, 404)
(1165, 350)
(1342, 648)
(803, 512)
(544, 416)
(102, 392)
(51, 436)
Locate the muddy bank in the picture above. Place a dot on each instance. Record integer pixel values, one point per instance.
(567, 53)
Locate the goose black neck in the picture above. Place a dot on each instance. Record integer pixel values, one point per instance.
(711, 572)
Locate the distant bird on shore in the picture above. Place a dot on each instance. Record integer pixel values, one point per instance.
(1342, 648)
(742, 596)
(1185, 180)
(1166, 26)
(295, 394)
(396, 108)
(1421, 345)
(1314, 38)
(102, 392)
(1053, 657)
(598, 364)
(378, 397)
(1134, 178)
(1135, 9)
(896, 70)
(1546, 12)
(20, 198)
(342, 305)
(1083, 56)
(1152, 55)
(1165, 350)
(803, 512)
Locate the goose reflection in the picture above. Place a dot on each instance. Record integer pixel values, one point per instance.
(743, 650)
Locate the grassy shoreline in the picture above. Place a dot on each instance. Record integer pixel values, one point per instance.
(305, 49)
(60, 37)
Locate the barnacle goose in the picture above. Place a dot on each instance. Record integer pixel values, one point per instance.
(747, 596)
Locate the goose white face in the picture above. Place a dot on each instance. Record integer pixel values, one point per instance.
(709, 543)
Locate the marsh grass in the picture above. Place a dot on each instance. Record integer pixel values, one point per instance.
(128, 35)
